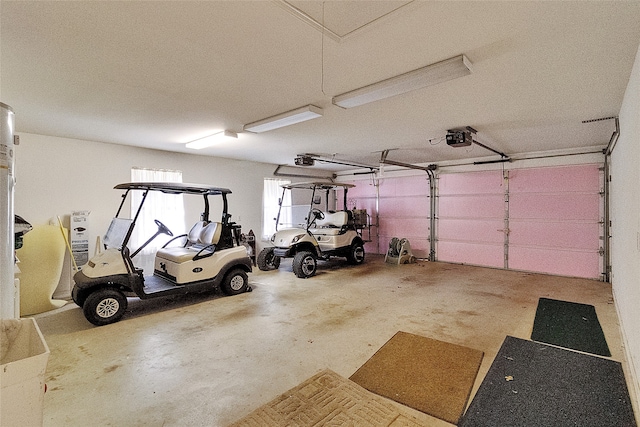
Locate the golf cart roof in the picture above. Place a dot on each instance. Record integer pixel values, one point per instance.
(317, 185)
(173, 188)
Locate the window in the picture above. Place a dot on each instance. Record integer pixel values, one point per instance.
(272, 193)
(167, 208)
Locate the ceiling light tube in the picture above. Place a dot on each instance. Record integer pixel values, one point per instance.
(292, 117)
(210, 140)
(439, 72)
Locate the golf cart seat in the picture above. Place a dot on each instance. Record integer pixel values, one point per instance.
(194, 233)
(191, 238)
(332, 224)
(205, 245)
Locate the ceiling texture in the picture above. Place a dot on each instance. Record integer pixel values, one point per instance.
(161, 74)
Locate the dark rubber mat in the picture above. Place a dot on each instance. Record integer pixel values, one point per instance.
(532, 384)
(570, 325)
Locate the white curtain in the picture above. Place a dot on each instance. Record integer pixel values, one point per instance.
(167, 208)
(273, 192)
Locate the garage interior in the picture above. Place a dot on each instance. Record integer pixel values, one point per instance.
(513, 175)
(210, 361)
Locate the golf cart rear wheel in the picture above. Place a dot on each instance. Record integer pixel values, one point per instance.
(235, 282)
(267, 260)
(356, 253)
(104, 306)
(304, 264)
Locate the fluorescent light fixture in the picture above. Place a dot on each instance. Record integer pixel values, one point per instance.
(210, 140)
(439, 72)
(292, 117)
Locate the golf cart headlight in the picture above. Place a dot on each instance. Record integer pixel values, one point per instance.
(273, 238)
(298, 237)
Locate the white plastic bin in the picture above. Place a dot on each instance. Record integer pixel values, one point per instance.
(22, 371)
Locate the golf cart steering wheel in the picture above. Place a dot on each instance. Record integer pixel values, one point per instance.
(317, 213)
(163, 228)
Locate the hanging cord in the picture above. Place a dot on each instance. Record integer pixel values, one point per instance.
(322, 54)
(436, 141)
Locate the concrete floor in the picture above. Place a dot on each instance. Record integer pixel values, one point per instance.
(210, 359)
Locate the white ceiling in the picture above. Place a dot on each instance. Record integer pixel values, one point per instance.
(160, 74)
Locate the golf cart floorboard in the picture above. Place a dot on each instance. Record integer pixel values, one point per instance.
(155, 284)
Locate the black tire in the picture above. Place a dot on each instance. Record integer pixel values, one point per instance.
(304, 264)
(235, 282)
(104, 306)
(267, 260)
(356, 253)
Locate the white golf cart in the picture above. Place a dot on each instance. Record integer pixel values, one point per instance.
(320, 234)
(210, 256)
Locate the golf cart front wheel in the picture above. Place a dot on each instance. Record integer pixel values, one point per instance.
(304, 264)
(104, 306)
(356, 254)
(235, 282)
(267, 260)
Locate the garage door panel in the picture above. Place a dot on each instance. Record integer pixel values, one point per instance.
(407, 227)
(471, 183)
(561, 262)
(581, 178)
(404, 186)
(362, 189)
(477, 254)
(555, 206)
(485, 231)
(481, 206)
(403, 207)
(575, 235)
(372, 246)
(413, 186)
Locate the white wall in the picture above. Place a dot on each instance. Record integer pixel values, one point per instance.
(56, 176)
(625, 221)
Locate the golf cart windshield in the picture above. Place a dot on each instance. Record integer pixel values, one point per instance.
(114, 238)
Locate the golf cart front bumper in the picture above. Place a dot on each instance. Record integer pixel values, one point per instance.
(82, 281)
(282, 252)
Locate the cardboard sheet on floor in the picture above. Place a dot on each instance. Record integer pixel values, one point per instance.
(534, 384)
(327, 399)
(570, 325)
(432, 376)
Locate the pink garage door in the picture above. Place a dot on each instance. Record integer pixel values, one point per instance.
(543, 219)
(471, 214)
(548, 219)
(554, 220)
